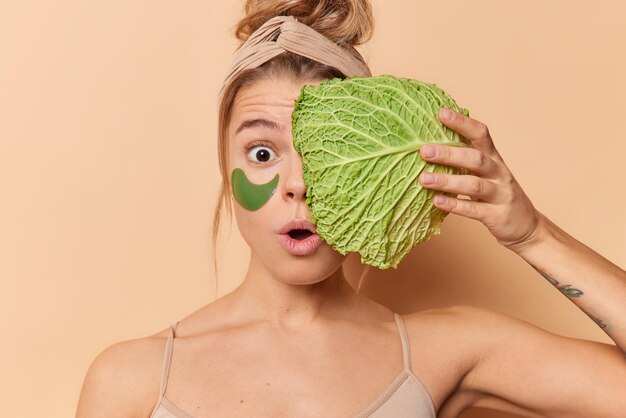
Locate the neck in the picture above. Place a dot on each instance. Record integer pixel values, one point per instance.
(291, 305)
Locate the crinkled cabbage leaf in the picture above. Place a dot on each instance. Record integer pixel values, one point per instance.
(359, 140)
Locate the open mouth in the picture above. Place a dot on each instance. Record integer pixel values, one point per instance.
(300, 234)
(300, 240)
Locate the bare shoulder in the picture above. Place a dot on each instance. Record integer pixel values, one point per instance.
(449, 324)
(447, 313)
(462, 323)
(472, 332)
(450, 342)
(444, 348)
(123, 380)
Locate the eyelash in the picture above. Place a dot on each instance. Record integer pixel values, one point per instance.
(253, 144)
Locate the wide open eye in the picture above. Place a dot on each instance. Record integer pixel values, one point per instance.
(260, 154)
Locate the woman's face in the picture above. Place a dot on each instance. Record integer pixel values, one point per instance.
(262, 155)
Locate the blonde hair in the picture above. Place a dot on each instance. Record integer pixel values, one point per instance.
(345, 22)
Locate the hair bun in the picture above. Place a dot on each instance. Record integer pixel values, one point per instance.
(346, 22)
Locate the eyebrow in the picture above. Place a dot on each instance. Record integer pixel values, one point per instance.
(253, 123)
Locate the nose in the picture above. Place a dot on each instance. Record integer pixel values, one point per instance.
(293, 186)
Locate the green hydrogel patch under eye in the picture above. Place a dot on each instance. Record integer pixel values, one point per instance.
(249, 195)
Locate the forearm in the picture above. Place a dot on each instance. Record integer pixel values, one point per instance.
(593, 283)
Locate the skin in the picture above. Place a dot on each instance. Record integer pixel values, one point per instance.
(294, 333)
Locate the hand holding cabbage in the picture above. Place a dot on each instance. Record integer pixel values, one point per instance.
(496, 198)
(359, 140)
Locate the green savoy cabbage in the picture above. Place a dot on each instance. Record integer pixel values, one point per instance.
(359, 140)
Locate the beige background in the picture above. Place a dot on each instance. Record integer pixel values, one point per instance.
(108, 167)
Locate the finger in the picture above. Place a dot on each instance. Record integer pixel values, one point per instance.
(475, 187)
(473, 159)
(477, 132)
(468, 208)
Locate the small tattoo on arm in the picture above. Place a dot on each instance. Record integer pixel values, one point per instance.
(570, 291)
(598, 321)
(566, 289)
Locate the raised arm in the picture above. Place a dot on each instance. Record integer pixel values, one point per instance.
(518, 367)
(592, 282)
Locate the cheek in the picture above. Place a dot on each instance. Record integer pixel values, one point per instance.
(251, 224)
(256, 229)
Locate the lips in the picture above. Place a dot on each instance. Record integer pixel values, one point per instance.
(298, 224)
(299, 237)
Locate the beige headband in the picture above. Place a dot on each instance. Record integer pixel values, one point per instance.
(285, 33)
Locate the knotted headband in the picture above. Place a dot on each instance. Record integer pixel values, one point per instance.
(285, 33)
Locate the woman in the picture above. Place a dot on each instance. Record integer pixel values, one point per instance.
(295, 340)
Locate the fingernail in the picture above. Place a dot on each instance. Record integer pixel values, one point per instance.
(428, 151)
(428, 178)
(445, 114)
(440, 200)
